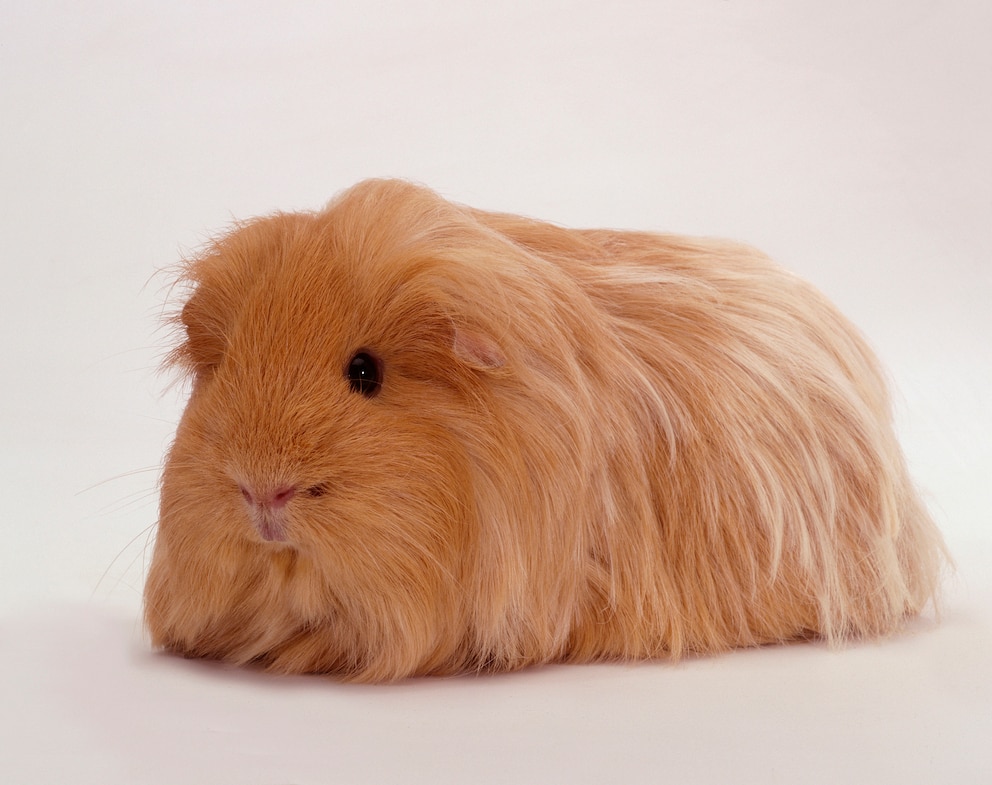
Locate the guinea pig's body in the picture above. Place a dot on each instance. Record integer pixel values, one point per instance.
(424, 439)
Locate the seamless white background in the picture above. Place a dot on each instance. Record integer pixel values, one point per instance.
(851, 140)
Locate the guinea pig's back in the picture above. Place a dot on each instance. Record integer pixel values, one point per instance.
(782, 499)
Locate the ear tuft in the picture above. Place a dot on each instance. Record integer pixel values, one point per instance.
(479, 351)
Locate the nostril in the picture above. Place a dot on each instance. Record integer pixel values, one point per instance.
(273, 500)
(282, 496)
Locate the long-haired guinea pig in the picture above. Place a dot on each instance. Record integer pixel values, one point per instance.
(426, 439)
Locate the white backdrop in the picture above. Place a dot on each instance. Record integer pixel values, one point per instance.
(850, 139)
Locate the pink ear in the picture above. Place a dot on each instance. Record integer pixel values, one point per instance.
(478, 350)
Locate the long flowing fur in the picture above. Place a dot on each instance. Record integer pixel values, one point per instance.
(587, 445)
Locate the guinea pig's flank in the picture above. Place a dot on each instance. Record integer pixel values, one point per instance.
(427, 439)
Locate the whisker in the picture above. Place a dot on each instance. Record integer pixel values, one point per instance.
(145, 531)
(130, 502)
(121, 476)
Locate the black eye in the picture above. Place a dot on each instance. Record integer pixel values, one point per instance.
(364, 374)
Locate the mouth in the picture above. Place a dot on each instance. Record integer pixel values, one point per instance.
(271, 531)
(269, 527)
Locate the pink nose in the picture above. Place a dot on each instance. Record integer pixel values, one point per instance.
(273, 500)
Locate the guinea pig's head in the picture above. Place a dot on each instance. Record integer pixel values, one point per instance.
(344, 484)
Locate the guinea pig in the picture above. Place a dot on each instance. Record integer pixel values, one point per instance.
(427, 439)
